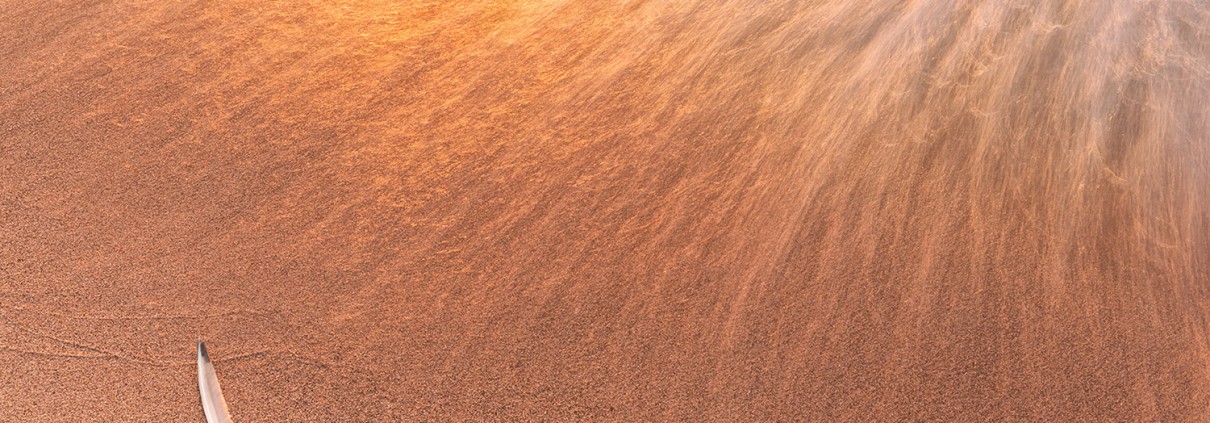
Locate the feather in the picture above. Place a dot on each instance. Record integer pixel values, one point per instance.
(212, 396)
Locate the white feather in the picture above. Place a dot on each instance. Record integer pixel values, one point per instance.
(212, 395)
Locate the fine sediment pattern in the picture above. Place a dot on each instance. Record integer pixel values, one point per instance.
(607, 211)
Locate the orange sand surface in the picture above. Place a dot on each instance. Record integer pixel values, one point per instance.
(552, 210)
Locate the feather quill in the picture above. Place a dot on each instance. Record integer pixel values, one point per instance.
(207, 382)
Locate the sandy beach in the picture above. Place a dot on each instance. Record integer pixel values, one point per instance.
(550, 210)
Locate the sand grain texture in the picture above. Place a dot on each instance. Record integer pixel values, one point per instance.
(552, 210)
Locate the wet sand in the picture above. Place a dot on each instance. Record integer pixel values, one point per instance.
(606, 211)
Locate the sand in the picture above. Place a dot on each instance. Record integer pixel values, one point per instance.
(606, 211)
